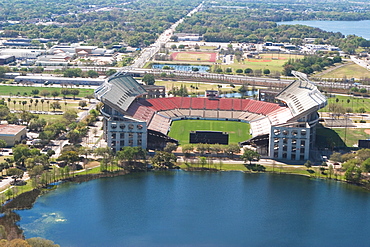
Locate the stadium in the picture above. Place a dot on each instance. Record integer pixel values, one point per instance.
(283, 130)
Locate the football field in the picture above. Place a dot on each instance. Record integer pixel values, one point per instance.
(238, 131)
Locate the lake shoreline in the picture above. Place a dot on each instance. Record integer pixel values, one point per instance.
(26, 200)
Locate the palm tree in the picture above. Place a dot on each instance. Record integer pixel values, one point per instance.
(48, 102)
(24, 103)
(42, 104)
(14, 102)
(36, 102)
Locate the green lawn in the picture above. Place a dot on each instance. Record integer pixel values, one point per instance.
(14, 90)
(347, 71)
(273, 62)
(238, 131)
(339, 137)
(354, 103)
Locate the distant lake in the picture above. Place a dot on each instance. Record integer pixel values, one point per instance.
(359, 28)
(178, 208)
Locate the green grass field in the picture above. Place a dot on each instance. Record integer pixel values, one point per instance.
(273, 62)
(354, 103)
(237, 131)
(14, 90)
(339, 137)
(347, 71)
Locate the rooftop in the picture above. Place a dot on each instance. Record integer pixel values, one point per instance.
(10, 129)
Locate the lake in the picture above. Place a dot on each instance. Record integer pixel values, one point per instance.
(178, 208)
(359, 28)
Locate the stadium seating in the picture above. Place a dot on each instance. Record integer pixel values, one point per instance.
(210, 114)
(197, 103)
(212, 104)
(160, 123)
(226, 104)
(260, 126)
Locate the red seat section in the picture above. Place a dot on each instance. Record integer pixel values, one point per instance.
(197, 103)
(246, 102)
(237, 104)
(212, 104)
(156, 104)
(176, 101)
(225, 104)
(185, 103)
(167, 102)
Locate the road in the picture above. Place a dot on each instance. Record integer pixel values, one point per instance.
(148, 53)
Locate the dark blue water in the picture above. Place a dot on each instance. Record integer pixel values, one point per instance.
(202, 209)
(359, 28)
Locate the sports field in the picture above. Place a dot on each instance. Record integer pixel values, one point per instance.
(273, 62)
(194, 56)
(238, 131)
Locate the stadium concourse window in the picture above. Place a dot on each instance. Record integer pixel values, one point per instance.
(122, 143)
(303, 132)
(139, 126)
(276, 132)
(131, 126)
(122, 126)
(285, 132)
(113, 125)
(294, 133)
(122, 135)
(113, 135)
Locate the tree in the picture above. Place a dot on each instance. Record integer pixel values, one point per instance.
(363, 154)
(20, 153)
(336, 157)
(70, 116)
(4, 112)
(92, 74)
(69, 157)
(186, 150)
(164, 160)
(55, 105)
(15, 173)
(266, 71)
(250, 155)
(148, 79)
(41, 242)
(72, 73)
(82, 103)
(89, 97)
(170, 147)
(248, 71)
(3, 144)
(110, 72)
(55, 93)
(65, 92)
(74, 92)
(231, 149)
(44, 93)
(308, 164)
